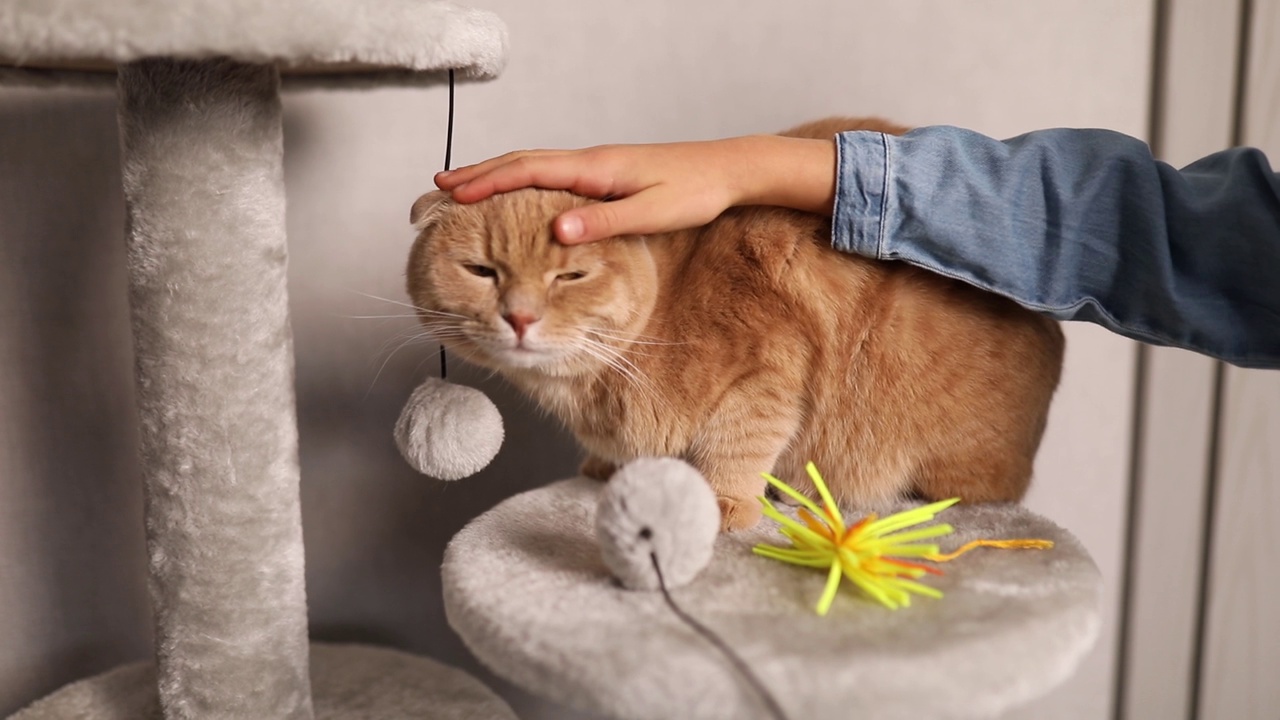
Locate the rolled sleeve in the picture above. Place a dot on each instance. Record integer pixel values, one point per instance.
(862, 160)
(1081, 225)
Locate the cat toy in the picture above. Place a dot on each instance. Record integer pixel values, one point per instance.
(448, 431)
(657, 522)
(870, 551)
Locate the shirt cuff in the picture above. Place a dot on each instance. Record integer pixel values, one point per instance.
(857, 220)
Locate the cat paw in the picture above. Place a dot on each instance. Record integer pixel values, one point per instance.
(738, 513)
(597, 469)
(778, 497)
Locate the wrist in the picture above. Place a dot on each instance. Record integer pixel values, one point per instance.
(797, 173)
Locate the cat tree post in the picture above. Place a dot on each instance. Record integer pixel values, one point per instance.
(201, 140)
(203, 151)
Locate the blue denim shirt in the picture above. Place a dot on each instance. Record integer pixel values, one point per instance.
(1079, 224)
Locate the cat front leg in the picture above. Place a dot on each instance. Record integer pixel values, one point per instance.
(742, 439)
(597, 468)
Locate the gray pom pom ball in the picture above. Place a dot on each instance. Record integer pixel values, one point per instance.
(448, 431)
(662, 507)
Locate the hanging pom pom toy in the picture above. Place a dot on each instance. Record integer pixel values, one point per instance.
(448, 431)
(657, 515)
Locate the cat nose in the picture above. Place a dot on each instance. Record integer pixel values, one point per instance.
(519, 321)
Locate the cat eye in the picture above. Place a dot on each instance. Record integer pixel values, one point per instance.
(576, 275)
(483, 271)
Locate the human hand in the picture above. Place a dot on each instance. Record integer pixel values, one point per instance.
(659, 188)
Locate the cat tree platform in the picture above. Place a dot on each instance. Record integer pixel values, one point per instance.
(201, 145)
(338, 42)
(526, 589)
(349, 681)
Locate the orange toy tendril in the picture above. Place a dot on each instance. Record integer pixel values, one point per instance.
(870, 551)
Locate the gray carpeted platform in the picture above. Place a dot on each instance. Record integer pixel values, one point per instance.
(332, 41)
(526, 589)
(349, 682)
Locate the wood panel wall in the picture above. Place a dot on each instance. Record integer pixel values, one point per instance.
(1201, 634)
(1240, 661)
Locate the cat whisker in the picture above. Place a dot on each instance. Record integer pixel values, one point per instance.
(410, 333)
(630, 341)
(431, 332)
(437, 331)
(635, 338)
(416, 334)
(383, 366)
(412, 306)
(441, 314)
(427, 357)
(625, 369)
(379, 317)
(388, 300)
(409, 338)
(600, 353)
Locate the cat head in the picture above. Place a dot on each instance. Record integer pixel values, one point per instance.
(493, 284)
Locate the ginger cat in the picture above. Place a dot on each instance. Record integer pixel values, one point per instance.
(744, 346)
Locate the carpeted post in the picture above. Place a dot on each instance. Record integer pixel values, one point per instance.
(204, 185)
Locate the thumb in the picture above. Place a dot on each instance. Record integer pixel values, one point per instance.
(593, 222)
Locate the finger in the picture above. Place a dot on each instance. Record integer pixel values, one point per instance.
(650, 211)
(574, 171)
(449, 179)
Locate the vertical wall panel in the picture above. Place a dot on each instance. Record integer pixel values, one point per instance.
(1242, 641)
(1194, 117)
(73, 563)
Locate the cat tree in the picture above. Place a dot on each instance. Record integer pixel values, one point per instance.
(200, 127)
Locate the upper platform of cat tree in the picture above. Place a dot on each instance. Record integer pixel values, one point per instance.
(526, 589)
(328, 41)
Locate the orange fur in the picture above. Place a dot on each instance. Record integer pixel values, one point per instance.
(744, 346)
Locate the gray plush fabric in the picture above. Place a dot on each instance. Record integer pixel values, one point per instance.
(204, 188)
(351, 682)
(448, 431)
(525, 588)
(657, 508)
(327, 37)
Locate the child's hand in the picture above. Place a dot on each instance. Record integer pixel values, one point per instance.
(658, 188)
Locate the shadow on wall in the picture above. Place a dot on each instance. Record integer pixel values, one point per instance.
(73, 596)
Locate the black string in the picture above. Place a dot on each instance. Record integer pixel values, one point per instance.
(738, 663)
(448, 160)
(448, 137)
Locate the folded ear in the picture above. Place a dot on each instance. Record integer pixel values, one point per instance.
(429, 208)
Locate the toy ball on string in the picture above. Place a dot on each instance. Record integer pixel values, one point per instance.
(448, 431)
(657, 508)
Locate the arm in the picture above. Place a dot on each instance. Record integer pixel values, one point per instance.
(1081, 224)
(659, 188)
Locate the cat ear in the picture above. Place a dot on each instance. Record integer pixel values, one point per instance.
(429, 208)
